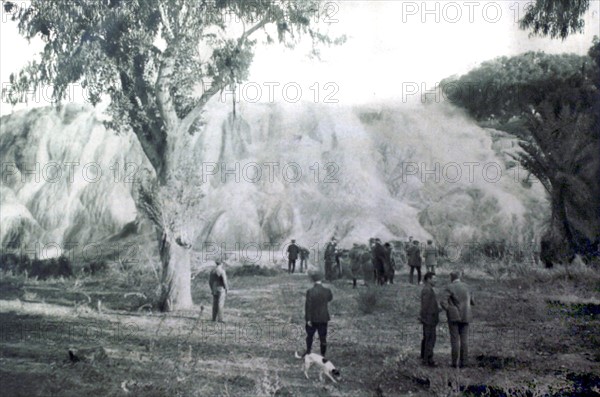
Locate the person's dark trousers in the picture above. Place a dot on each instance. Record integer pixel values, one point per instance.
(459, 334)
(328, 271)
(291, 265)
(428, 343)
(412, 271)
(321, 328)
(218, 305)
(353, 283)
(303, 265)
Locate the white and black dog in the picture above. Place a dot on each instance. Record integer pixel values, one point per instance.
(325, 366)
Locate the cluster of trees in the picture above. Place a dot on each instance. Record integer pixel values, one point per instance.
(552, 104)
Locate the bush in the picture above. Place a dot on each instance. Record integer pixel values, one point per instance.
(251, 270)
(367, 300)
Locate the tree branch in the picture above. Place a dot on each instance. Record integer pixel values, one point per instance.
(187, 122)
(164, 100)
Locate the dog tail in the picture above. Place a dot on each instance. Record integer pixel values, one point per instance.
(297, 355)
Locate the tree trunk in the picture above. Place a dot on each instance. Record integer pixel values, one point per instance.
(176, 291)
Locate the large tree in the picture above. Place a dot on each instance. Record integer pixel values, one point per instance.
(155, 60)
(549, 102)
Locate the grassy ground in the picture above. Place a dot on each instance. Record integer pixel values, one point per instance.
(536, 334)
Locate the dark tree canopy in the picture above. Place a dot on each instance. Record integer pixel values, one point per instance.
(555, 18)
(551, 103)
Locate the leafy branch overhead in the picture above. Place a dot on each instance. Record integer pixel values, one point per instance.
(159, 61)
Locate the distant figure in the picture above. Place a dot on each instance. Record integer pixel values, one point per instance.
(378, 255)
(414, 260)
(338, 263)
(431, 254)
(408, 244)
(457, 301)
(366, 262)
(304, 253)
(219, 287)
(429, 317)
(293, 251)
(330, 252)
(355, 262)
(389, 264)
(316, 314)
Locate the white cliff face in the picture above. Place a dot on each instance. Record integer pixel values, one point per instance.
(302, 171)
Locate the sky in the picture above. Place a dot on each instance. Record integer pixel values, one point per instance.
(390, 45)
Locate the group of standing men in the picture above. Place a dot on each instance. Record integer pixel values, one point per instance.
(294, 252)
(456, 300)
(415, 258)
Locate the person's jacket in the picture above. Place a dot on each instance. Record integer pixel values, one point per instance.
(429, 306)
(293, 251)
(317, 299)
(414, 256)
(457, 301)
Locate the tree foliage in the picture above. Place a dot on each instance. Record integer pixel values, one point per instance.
(555, 18)
(551, 103)
(159, 61)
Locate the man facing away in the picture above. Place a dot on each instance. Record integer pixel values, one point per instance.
(389, 264)
(219, 287)
(457, 301)
(429, 317)
(330, 253)
(378, 256)
(430, 257)
(316, 313)
(414, 261)
(293, 251)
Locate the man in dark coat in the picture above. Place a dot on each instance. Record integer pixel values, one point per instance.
(304, 252)
(378, 255)
(457, 301)
(316, 314)
(330, 253)
(389, 264)
(429, 317)
(293, 251)
(414, 261)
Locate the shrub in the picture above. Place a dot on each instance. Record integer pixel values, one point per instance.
(251, 270)
(367, 300)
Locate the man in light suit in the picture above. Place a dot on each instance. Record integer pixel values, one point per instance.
(316, 313)
(457, 301)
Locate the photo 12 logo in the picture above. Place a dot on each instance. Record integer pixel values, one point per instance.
(273, 91)
(463, 11)
(54, 172)
(270, 171)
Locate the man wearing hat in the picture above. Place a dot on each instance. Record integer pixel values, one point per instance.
(293, 251)
(316, 313)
